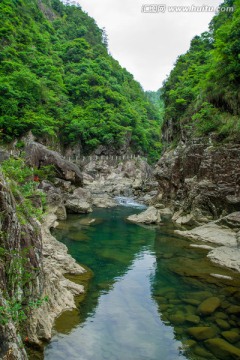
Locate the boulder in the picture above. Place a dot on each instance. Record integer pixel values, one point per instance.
(222, 324)
(77, 206)
(203, 353)
(150, 216)
(39, 155)
(202, 332)
(194, 319)
(54, 197)
(177, 318)
(81, 193)
(231, 336)
(233, 310)
(104, 201)
(222, 349)
(211, 232)
(189, 301)
(226, 256)
(232, 220)
(185, 220)
(208, 306)
(166, 213)
(64, 185)
(61, 212)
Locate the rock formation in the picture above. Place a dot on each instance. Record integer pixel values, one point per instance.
(39, 155)
(45, 260)
(200, 180)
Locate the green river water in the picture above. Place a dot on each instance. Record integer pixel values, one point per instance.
(143, 297)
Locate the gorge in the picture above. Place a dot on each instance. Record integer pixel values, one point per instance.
(119, 209)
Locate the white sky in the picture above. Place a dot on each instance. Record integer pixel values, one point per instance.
(147, 44)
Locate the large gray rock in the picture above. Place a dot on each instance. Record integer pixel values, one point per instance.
(150, 216)
(81, 193)
(226, 256)
(79, 202)
(211, 232)
(54, 196)
(77, 206)
(39, 155)
(232, 221)
(61, 212)
(104, 201)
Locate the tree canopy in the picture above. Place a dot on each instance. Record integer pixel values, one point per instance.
(58, 80)
(202, 93)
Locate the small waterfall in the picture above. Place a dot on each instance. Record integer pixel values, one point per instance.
(129, 202)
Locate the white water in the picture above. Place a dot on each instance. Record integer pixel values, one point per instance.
(129, 202)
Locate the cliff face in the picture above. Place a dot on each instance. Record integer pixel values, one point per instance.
(32, 267)
(200, 180)
(22, 259)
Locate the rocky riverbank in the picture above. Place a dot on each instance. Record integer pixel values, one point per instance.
(59, 290)
(193, 186)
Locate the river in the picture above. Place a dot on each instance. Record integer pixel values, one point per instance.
(143, 297)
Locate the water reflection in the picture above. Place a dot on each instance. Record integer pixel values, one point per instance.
(125, 324)
(144, 297)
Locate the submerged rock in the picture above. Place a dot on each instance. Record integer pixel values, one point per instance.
(200, 351)
(87, 221)
(191, 301)
(194, 319)
(222, 324)
(150, 216)
(233, 309)
(208, 306)
(177, 318)
(188, 344)
(202, 332)
(231, 336)
(222, 349)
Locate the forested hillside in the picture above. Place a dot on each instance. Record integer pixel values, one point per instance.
(156, 98)
(58, 80)
(202, 93)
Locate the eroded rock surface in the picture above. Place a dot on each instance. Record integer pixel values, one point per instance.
(39, 155)
(149, 216)
(46, 259)
(61, 292)
(199, 179)
(211, 232)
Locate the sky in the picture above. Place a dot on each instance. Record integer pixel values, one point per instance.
(147, 44)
